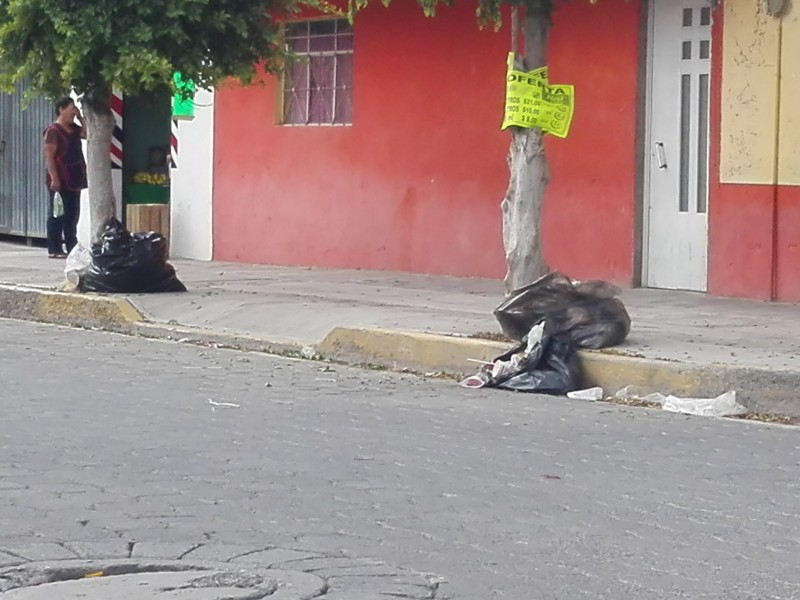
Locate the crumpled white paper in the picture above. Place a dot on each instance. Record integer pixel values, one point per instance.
(591, 394)
(724, 405)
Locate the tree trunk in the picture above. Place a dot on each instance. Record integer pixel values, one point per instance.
(529, 174)
(100, 125)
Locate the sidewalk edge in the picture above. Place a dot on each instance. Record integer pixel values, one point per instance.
(760, 390)
(61, 308)
(218, 339)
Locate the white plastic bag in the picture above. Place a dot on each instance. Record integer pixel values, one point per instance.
(629, 392)
(721, 406)
(58, 205)
(590, 394)
(78, 260)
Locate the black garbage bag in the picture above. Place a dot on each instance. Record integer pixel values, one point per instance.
(555, 373)
(129, 263)
(539, 363)
(589, 312)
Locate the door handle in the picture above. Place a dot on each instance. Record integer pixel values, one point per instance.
(2, 146)
(661, 155)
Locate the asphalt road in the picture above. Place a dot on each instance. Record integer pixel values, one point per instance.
(107, 440)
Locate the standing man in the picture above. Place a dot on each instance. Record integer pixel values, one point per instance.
(66, 174)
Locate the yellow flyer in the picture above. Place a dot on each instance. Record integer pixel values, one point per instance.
(531, 101)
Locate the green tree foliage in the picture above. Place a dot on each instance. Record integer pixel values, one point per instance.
(94, 46)
(136, 45)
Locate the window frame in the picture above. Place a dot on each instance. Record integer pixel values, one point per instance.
(280, 104)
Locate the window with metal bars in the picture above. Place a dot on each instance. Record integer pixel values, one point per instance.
(318, 80)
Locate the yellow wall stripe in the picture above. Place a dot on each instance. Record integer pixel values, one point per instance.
(789, 145)
(750, 49)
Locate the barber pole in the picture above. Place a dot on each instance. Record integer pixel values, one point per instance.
(173, 141)
(117, 106)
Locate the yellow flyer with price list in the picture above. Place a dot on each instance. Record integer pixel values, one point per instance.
(532, 101)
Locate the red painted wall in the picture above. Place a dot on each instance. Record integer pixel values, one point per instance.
(415, 184)
(745, 263)
(787, 269)
(740, 241)
(754, 230)
(589, 212)
(740, 216)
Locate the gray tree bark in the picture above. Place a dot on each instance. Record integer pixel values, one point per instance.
(100, 125)
(529, 173)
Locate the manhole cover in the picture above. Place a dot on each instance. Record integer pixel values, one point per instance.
(131, 580)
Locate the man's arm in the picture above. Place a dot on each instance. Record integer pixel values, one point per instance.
(50, 152)
(79, 117)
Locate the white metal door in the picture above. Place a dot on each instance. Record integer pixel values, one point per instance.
(676, 193)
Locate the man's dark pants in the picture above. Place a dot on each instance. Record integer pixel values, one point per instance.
(63, 229)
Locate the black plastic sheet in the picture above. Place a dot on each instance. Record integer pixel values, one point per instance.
(588, 312)
(129, 263)
(539, 363)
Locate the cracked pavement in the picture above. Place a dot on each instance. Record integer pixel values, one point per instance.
(383, 485)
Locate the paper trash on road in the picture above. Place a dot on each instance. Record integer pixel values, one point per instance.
(228, 404)
(591, 394)
(724, 405)
(310, 353)
(629, 392)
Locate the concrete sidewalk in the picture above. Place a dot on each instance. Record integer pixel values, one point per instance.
(680, 342)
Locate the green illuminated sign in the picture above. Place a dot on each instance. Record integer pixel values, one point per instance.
(183, 100)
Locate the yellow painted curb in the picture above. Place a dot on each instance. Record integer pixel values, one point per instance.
(760, 390)
(79, 310)
(408, 350)
(455, 355)
(613, 372)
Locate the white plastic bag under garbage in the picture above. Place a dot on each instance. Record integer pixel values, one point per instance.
(505, 368)
(591, 394)
(721, 406)
(78, 260)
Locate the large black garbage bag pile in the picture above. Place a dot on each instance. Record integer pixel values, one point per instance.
(588, 312)
(540, 363)
(552, 318)
(129, 263)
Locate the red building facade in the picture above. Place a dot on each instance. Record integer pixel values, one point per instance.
(414, 182)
